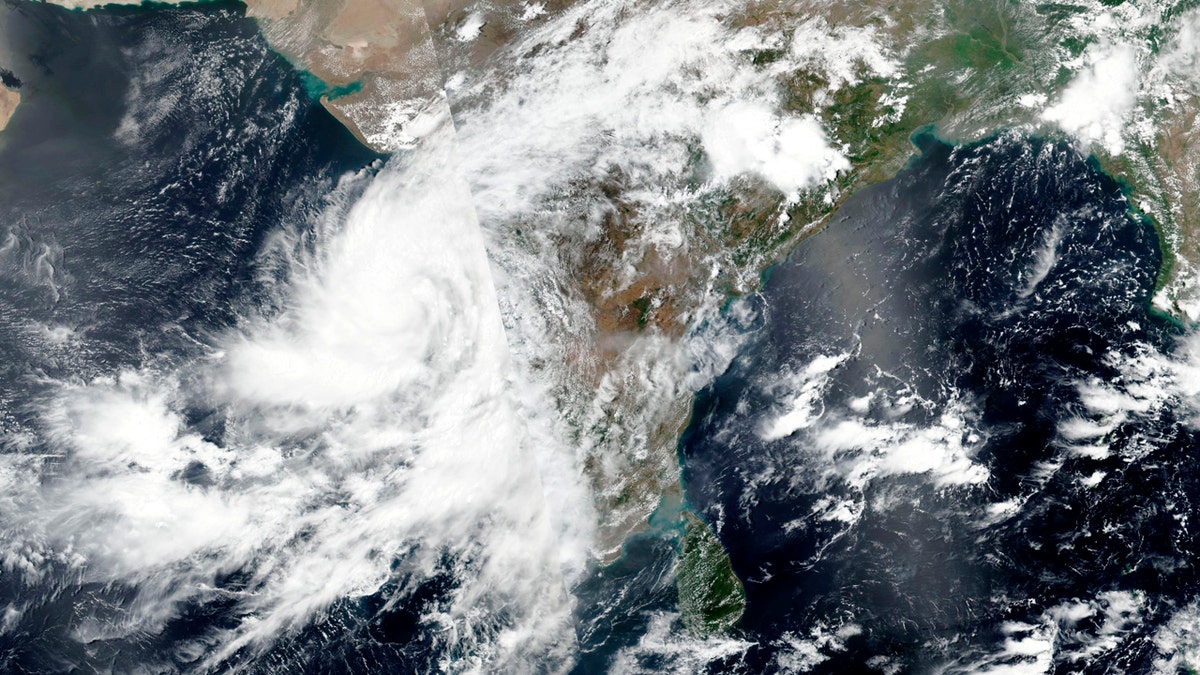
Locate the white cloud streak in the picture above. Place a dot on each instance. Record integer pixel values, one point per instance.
(372, 426)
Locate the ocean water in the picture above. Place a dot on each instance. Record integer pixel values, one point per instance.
(257, 407)
(958, 439)
(152, 153)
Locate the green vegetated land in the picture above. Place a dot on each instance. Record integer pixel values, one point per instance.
(711, 597)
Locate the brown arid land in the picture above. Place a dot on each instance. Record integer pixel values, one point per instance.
(9, 100)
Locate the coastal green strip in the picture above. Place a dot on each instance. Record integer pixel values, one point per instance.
(711, 597)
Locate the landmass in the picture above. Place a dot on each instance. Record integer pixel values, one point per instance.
(9, 100)
(874, 73)
(711, 597)
(1113, 77)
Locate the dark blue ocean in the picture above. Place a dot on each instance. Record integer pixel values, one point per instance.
(978, 302)
(152, 153)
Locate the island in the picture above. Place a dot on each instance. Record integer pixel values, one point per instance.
(9, 100)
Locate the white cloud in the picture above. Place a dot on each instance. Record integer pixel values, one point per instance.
(1033, 100)
(471, 27)
(801, 654)
(867, 450)
(673, 651)
(791, 153)
(1058, 637)
(805, 390)
(860, 448)
(372, 423)
(633, 92)
(1097, 103)
(837, 52)
(1181, 58)
(1178, 641)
